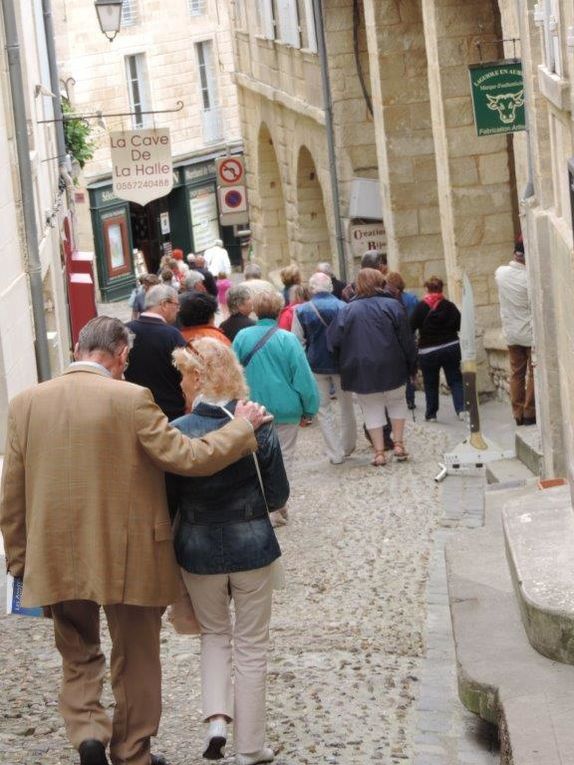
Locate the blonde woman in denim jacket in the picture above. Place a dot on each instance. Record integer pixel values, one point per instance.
(225, 545)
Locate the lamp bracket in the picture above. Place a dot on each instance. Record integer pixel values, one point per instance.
(100, 115)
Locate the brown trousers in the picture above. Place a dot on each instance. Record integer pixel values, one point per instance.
(135, 676)
(521, 382)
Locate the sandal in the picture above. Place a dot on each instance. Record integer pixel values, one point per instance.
(379, 459)
(400, 453)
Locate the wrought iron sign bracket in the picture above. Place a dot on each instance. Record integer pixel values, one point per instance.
(102, 115)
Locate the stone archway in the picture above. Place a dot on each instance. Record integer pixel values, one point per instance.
(273, 249)
(313, 242)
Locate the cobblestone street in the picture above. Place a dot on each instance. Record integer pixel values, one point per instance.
(348, 632)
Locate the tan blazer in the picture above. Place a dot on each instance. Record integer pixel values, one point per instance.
(82, 505)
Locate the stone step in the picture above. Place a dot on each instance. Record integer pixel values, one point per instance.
(539, 534)
(508, 471)
(529, 449)
(501, 677)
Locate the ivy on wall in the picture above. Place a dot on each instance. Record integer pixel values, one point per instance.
(77, 134)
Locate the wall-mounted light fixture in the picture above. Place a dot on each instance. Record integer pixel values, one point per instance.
(110, 16)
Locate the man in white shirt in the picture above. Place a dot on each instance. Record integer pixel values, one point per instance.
(217, 259)
(516, 317)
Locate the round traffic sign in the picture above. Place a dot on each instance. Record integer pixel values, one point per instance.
(231, 170)
(233, 198)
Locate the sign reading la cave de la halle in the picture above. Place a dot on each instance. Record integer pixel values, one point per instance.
(141, 164)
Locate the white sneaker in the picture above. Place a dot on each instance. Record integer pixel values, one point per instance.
(461, 416)
(263, 755)
(216, 740)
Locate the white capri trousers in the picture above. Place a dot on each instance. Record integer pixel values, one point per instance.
(242, 701)
(373, 406)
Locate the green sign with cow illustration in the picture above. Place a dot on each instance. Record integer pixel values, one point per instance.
(498, 97)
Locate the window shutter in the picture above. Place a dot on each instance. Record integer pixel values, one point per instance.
(289, 22)
(311, 42)
(266, 18)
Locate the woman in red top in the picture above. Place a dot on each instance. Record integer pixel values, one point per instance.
(297, 294)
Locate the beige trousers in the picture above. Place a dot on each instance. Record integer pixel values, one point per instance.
(251, 592)
(135, 675)
(338, 446)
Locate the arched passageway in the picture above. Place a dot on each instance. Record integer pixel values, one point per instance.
(312, 232)
(273, 251)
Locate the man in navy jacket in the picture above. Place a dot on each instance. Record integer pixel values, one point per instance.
(150, 362)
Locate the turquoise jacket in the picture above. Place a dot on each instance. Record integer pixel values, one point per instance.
(279, 375)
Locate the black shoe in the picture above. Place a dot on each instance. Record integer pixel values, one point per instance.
(92, 752)
(529, 421)
(158, 759)
(519, 421)
(411, 405)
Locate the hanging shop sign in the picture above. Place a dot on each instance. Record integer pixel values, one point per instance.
(367, 236)
(498, 97)
(142, 164)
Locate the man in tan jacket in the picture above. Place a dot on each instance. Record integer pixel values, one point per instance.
(85, 522)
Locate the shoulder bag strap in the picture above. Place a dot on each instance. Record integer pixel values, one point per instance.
(255, 460)
(321, 319)
(258, 345)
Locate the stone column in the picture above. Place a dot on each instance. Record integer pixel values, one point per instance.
(405, 147)
(473, 174)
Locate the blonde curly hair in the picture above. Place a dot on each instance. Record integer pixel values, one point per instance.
(220, 373)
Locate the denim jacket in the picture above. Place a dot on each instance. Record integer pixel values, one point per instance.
(223, 524)
(313, 332)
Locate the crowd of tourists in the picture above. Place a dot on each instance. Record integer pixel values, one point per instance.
(89, 523)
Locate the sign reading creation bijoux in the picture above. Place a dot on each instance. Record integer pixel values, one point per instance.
(141, 164)
(498, 97)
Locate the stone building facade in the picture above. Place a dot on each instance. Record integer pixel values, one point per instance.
(451, 201)
(18, 368)
(163, 54)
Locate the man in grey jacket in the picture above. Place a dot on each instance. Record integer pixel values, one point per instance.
(516, 318)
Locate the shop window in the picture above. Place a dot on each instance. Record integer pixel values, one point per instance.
(129, 13)
(137, 89)
(197, 7)
(116, 243)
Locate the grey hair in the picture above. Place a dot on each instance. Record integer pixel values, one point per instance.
(320, 282)
(252, 271)
(105, 334)
(192, 278)
(325, 268)
(218, 243)
(373, 259)
(158, 294)
(237, 296)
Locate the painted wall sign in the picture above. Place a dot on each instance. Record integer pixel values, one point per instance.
(367, 236)
(141, 164)
(498, 97)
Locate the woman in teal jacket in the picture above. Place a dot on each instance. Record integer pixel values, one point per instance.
(279, 376)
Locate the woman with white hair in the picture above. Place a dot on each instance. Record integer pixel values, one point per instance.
(225, 547)
(310, 323)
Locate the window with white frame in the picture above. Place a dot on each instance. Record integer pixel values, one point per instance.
(129, 13)
(547, 16)
(207, 74)
(138, 89)
(197, 7)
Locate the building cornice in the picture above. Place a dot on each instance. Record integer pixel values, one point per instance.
(281, 97)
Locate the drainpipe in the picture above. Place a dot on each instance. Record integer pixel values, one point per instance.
(328, 106)
(33, 264)
(54, 80)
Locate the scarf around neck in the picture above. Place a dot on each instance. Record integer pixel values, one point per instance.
(433, 299)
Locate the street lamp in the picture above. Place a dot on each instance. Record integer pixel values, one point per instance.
(110, 16)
